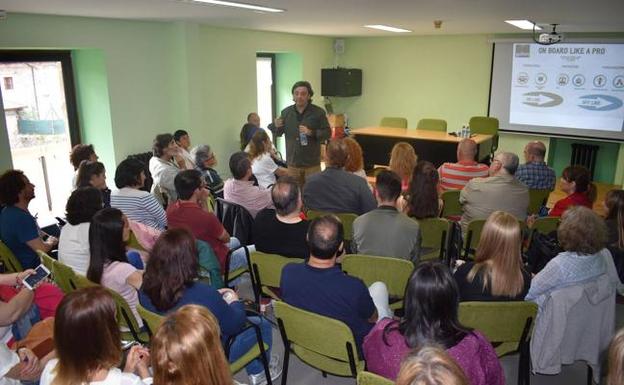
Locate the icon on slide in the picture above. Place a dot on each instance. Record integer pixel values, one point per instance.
(618, 81)
(542, 99)
(563, 80)
(523, 78)
(600, 81)
(541, 79)
(600, 102)
(578, 80)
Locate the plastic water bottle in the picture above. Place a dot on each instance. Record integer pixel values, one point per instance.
(303, 139)
(463, 131)
(468, 131)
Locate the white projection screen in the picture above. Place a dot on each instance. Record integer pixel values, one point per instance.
(573, 89)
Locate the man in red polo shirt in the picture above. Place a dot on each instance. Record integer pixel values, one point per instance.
(454, 176)
(190, 212)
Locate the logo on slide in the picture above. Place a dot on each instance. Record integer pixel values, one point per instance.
(523, 78)
(618, 81)
(578, 80)
(562, 80)
(600, 81)
(541, 79)
(600, 102)
(542, 99)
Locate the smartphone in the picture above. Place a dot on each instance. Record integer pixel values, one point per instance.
(41, 272)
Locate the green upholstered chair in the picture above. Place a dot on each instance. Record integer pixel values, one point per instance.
(64, 277)
(393, 122)
(267, 271)
(368, 378)
(435, 234)
(537, 198)
(321, 342)
(544, 225)
(346, 219)
(133, 242)
(151, 320)
(229, 276)
(451, 207)
(485, 125)
(394, 272)
(507, 325)
(432, 124)
(47, 261)
(473, 235)
(11, 263)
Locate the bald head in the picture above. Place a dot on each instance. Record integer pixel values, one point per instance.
(466, 149)
(535, 151)
(504, 162)
(286, 196)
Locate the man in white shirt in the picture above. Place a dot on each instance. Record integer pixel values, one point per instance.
(183, 140)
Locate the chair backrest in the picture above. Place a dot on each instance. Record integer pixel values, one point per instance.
(473, 235)
(452, 207)
(368, 378)
(134, 243)
(266, 270)
(483, 125)
(546, 225)
(432, 124)
(435, 234)
(236, 220)
(64, 277)
(393, 122)
(394, 272)
(316, 336)
(151, 320)
(501, 322)
(11, 263)
(346, 219)
(537, 198)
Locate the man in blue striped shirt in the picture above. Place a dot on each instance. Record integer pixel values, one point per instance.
(535, 174)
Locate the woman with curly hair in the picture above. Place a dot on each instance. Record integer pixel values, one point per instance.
(403, 159)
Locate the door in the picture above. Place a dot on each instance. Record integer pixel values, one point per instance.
(37, 92)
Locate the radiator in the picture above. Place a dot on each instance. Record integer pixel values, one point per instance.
(584, 155)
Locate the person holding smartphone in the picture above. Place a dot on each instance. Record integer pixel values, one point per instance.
(305, 126)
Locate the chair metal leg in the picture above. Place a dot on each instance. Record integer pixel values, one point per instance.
(286, 358)
(590, 375)
(324, 374)
(263, 356)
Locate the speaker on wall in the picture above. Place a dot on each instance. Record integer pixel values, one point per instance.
(341, 82)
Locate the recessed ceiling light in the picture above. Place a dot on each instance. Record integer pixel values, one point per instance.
(387, 28)
(240, 5)
(524, 24)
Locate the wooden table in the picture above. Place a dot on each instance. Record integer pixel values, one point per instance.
(435, 146)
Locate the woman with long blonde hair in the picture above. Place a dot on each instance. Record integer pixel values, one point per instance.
(403, 159)
(497, 273)
(430, 365)
(263, 166)
(187, 349)
(615, 374)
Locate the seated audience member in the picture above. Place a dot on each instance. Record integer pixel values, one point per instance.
(454, 176)
(355, 159)
(430, 365)
(431, 305)
(88, 344)
(109, 265)
(336, 190)
(183, 140)
(205, 159)
(262, 164)
(319, 286)
(73, 247)
(164, 166)
(18, 228)
(20, 305)
(282, 231)
(422, 195)
(170, 282)
(249, 129)
(402, 161)
(535, 174)
(615, 374)
(500, 192)
(190, 212)
(614, 203)
(136, 204)
(582, 235)
(93, 174)
(79, 153)
(386, 231)
(497, 273)
(241, 190)
(576, 182)
(186, 349)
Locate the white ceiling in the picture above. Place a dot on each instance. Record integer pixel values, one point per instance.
(346, 17)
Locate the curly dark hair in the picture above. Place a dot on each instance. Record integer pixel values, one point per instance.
(82, 205)
(79, 153)
(12, 182)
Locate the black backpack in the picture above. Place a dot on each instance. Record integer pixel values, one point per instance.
(542, 249)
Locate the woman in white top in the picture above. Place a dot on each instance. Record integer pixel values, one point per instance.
(73, 247)
(88, 344)
(165, 165)
(263, 166)
(109, 265)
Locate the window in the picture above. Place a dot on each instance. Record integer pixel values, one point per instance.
(8, 83)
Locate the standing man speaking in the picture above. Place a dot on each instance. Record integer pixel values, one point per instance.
(306, 127)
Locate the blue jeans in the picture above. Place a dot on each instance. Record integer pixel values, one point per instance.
(247, 339)
(238, 258)
(22, 326)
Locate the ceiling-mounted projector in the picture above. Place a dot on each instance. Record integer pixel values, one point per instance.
(548, 38)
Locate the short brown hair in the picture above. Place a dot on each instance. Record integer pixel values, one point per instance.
(86, 335)
(187, 349)
(336, 153)
(430, 365)
(79, 153)
(355, 161)
(582, 231)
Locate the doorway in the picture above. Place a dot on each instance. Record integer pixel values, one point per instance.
(265, 78)
(37, 91)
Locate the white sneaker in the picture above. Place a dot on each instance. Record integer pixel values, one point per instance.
(274, 368)
(238, 383)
